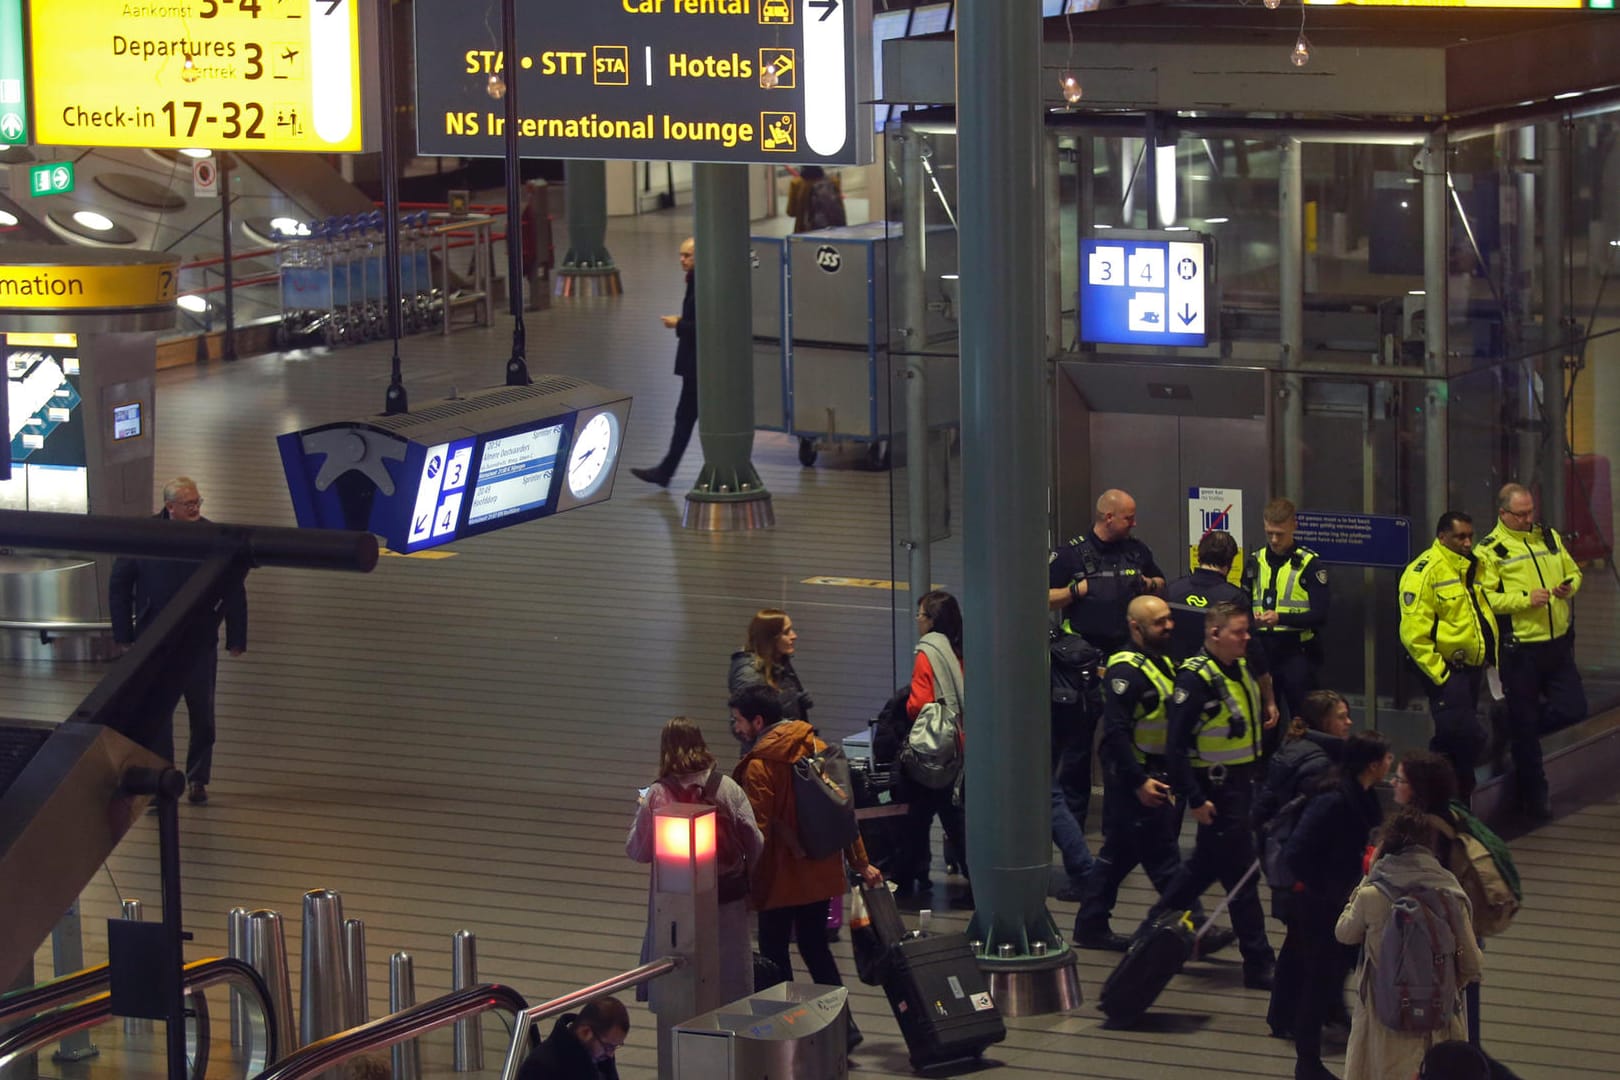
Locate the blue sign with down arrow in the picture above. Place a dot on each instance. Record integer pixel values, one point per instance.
(1145, 290)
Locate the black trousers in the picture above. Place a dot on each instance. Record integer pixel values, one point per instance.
(923, 804)
(1224, 851)
(1311, 969)
(1293, 675)
(807, 922)
(198, 695)
(1074, 730)
(1133, 835)
(1457, 731)
(686, 415)
(1544, 693)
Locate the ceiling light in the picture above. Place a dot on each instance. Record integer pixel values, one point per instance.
(1175, 228)
(197, 152)
(92, 220)
(1414, 292)
(194, 304)
(1072, 90)
(1301, 54)
(1102, 226)
(287, 226)
(7, 218)
(1216, 220)
(495, 86)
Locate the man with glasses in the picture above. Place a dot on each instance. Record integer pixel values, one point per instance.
(139, 591)
(1535, 580)
(581, 1045)
(1450, 634)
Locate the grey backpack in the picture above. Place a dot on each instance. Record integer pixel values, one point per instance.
(932, 753)
(1414, 977)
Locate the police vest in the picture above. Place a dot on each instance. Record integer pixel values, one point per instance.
(1218, 740)
(1287, 597)
(1113, 580)
(1150, 721)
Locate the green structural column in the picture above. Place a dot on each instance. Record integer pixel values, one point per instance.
(728, 493)
(1005, 478)
(587, 268)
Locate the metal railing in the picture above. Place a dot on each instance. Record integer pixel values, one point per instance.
(398, 1027)
(86, 1012)
(525, 1021)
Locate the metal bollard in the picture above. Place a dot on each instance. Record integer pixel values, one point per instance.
(266, 943)
(469, 1040)
(236, 949)
(321, 999)
(67, 958)
(132, 1025)
(402, 995)
(354, 970)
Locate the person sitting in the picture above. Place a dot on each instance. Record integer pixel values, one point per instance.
(581, 1045)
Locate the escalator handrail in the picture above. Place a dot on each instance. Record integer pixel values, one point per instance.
(33, 1000)
(397, 1027)
(86, 1013)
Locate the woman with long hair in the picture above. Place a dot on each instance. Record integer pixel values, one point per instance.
(687, 773)
(767, 660)
(936, 675)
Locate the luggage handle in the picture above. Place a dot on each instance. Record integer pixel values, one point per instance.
(1226, 902)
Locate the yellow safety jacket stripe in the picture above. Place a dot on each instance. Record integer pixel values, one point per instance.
(1213, 745)
(1291, 599)
(1150, 728)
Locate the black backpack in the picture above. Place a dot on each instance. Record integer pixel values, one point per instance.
(731, 858)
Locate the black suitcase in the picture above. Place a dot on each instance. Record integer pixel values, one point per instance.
(1154, 958)
(940, 1000)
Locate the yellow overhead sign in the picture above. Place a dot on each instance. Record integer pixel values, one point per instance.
(82, 288)
(224, 74)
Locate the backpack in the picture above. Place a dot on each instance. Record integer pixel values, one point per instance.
(1414, 978)
(731, 858)
(932, 754)
(826, 207)
(824, 801)
(1279, 875)
(1483, 865)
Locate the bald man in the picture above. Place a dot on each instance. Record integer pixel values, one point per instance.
(1091, 578)
(1140, 820)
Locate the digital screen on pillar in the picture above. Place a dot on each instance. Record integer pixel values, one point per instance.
(517, 473)
(1146, 291)
(127, 421)
(763, 81)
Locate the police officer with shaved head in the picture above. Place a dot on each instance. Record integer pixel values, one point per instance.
(1091, 579)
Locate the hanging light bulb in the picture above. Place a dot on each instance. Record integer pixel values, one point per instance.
(1301, 55)
(769, 76)
(1272, 5)
(495, 87)
(188, 69)
(1069, 83)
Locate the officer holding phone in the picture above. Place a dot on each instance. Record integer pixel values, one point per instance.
(1535, 580)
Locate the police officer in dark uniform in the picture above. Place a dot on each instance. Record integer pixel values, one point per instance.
(1289, 585)
(1191, 597)
(1092, 579)
(1213, 754)
(1141, 822)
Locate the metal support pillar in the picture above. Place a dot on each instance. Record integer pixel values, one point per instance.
(355, 987)
(469, 1033)
(322, 1002)
(729, 493)
(396, 399)
(1291, 305)
(1522, 152)
(587, 267)
(1554, 316)
(407, 1055)
(1052, 216)
(914, 334)
(1005, 476)
(67, 958)
(237, 949)
(227, 344)
(1436, 328)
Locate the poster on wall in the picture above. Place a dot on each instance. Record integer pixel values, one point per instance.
(45, 424)
(1212, 509)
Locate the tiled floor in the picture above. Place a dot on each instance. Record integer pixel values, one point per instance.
(457, 743)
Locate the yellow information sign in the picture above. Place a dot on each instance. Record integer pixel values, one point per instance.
(223, 74)
(1531, 4)
(82, 288)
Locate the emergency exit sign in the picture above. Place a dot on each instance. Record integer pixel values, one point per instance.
(53, 178)
(13, 76)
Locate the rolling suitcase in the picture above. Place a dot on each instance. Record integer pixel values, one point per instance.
(940, 1000)
(1153, 959)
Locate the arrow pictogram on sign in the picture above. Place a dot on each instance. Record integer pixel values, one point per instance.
(827, 8)
(1186, 315)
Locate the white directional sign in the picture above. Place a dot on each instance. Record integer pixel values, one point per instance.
(1146, 290)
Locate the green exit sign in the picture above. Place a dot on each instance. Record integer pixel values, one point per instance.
(55, 178)
(13, 76)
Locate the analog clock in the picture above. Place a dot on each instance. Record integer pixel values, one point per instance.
(590, 462)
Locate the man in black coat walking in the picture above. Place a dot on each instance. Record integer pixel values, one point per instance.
(139, 591)
(686, 411)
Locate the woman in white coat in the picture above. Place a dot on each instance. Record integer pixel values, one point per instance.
(687, 773)
(1404, 861)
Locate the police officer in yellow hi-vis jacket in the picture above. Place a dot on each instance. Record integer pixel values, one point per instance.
(1213, 753)
(1449, 631)
(1535, 580)
(1289, 587)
